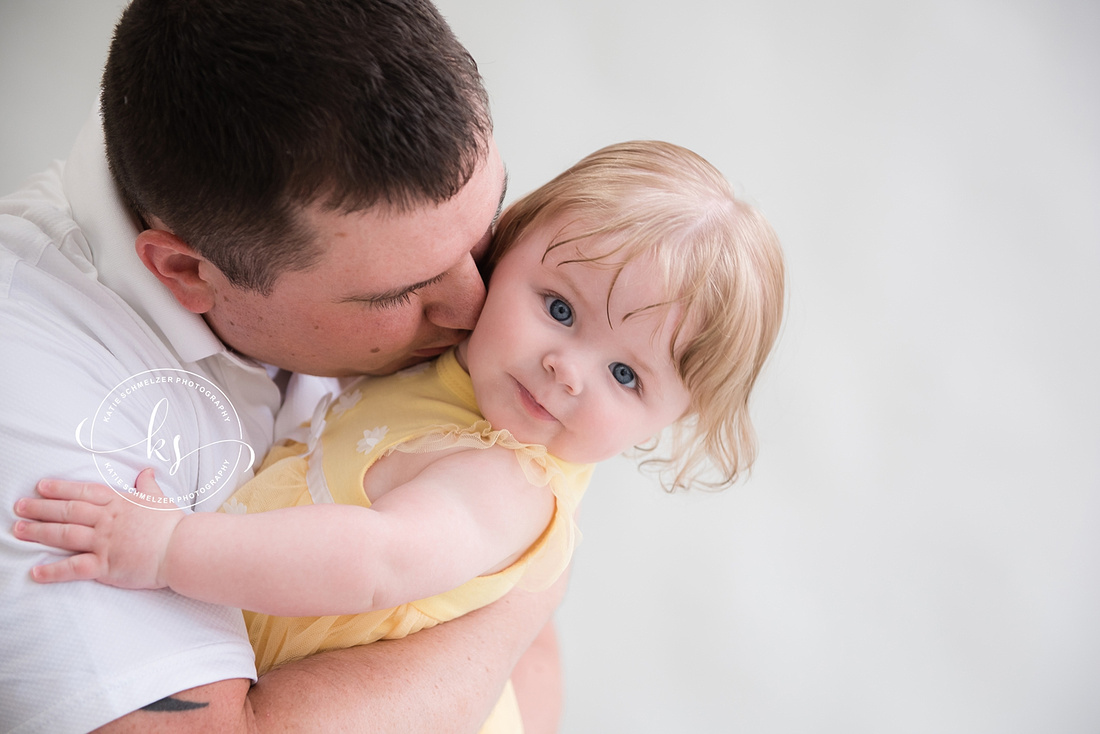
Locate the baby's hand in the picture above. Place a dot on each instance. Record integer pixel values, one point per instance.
(116, 541)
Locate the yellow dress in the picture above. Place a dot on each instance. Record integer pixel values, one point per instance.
(424, 408)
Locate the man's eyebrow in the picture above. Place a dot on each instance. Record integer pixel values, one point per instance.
(503, 195)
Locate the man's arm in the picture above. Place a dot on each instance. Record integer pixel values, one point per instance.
(538, 684)
(441, 680)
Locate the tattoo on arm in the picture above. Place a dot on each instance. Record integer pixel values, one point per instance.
(174, 704)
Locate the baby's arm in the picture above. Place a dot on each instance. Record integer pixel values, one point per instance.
(464, 515)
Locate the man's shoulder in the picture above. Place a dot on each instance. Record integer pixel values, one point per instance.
(37, 213)
(40, 240)
(48, 279)
(51, 306)
(68, 338)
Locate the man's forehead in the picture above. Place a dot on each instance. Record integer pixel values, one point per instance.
(383, 252)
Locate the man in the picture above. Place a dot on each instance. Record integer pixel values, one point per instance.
(277, 187)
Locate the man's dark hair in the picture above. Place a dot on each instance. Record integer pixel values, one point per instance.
(224, 118)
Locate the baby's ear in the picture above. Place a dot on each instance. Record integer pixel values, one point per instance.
(183, 271)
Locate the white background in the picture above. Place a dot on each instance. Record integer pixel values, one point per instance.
(918, 548)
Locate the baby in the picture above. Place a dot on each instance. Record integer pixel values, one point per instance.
(631, 294)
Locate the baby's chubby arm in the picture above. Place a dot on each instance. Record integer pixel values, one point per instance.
(466, 514)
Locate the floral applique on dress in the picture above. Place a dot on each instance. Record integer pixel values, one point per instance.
(370, 439)
(235, 507)
(346, 401)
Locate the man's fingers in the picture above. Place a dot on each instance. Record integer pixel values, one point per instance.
(64, 511)
(56, 535)
(84, 566)
(63, 489)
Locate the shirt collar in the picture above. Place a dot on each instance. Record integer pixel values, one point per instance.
(110, 229)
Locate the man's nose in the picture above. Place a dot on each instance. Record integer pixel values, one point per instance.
(457, 300)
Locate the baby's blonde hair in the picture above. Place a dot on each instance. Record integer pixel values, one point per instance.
(721, 263)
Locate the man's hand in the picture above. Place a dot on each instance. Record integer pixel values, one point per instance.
(115, 541)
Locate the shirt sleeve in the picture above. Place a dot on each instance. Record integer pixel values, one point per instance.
(75, 656)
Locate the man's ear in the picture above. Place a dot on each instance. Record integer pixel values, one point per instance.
(183, 271)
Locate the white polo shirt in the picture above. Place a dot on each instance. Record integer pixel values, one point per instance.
(94, 352)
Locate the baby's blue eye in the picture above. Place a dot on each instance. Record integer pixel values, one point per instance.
(623, 374)
(559, 310)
